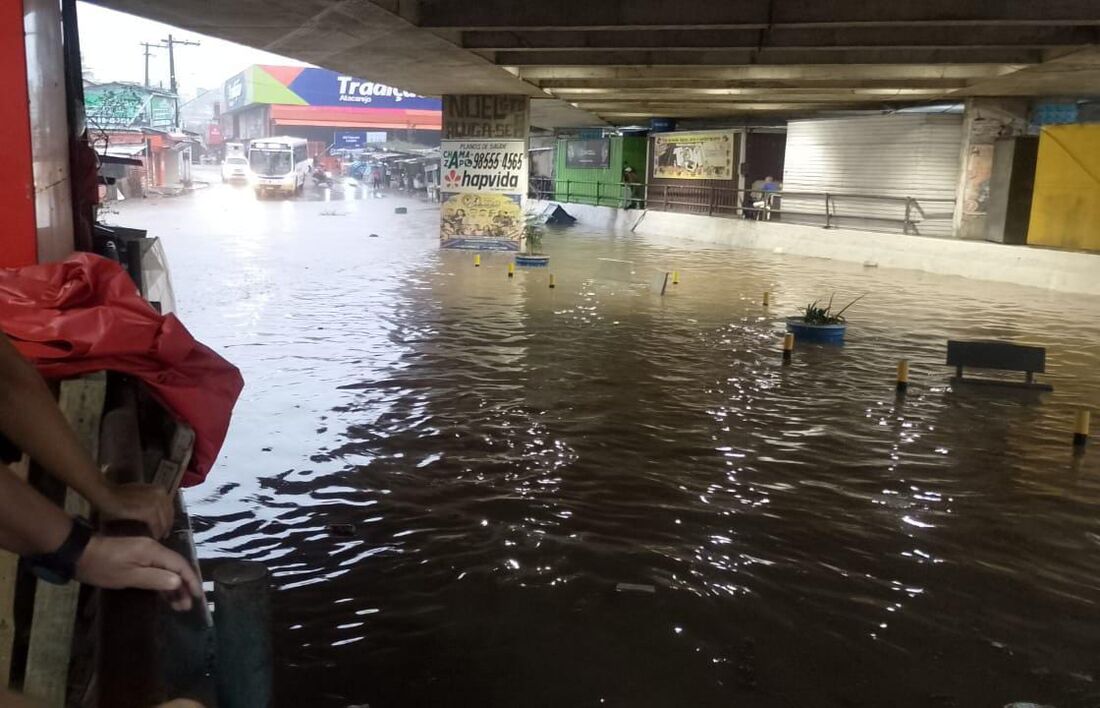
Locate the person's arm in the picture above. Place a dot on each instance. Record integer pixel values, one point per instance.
(30, 418)
(31, 525)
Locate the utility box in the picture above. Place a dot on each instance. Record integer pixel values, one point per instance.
(1011, 185)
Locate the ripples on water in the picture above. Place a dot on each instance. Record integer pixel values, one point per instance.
(509, 453)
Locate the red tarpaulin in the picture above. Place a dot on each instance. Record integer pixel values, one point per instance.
(84, 314)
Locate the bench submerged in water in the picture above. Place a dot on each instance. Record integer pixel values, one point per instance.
(1001, 356)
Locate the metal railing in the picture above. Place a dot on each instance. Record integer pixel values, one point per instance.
(827, 209)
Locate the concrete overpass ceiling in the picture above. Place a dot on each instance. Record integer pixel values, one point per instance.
(627, 60)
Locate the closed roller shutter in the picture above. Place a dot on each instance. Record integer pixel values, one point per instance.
(899, 156)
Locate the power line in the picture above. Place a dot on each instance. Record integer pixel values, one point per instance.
(149, 46)
(171, 44)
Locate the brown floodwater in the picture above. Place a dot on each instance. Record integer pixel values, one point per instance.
(508, 455)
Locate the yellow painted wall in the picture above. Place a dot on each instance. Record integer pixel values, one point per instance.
(1065, 209)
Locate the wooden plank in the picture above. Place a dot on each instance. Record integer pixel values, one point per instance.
(9, 570)
(177, 457)
(996, 355)
(47, 675)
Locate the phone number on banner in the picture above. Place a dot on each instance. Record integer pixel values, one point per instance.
(482, 160)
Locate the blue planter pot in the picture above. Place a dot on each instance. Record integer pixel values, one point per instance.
(823, 334)
(526, 261)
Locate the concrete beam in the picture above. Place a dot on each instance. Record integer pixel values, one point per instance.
(820, 39)
(360, 38)
(783, 111)
(814, 72)
(768, 56)
(560, 86)
(676, 108)
(732, 96)
(660, 14)
(1076, 74)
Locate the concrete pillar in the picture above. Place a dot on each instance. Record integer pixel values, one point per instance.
(985, 120)
(483, 175)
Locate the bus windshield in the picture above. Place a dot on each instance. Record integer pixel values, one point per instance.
(270, 163)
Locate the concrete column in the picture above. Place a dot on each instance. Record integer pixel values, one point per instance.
(483, 175)
(985, 120)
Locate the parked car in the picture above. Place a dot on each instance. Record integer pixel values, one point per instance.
(235, 169)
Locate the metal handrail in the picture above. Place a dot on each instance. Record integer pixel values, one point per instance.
(731, 201)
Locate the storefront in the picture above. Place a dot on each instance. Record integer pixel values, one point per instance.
(592, 170)
(324, 107)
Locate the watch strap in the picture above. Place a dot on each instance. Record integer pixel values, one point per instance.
(59, 567)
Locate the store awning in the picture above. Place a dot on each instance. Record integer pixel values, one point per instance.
(357, 117)
(124, 150)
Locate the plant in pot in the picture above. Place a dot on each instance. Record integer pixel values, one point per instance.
(821, 324)
(533, 231)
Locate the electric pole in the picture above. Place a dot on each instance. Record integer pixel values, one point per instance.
(172, 70)
(147, 46)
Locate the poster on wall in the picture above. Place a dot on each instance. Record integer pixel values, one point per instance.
(499, 117)
(483, 186)
(588, 154)
(702, 155)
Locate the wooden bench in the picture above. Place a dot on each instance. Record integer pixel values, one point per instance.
(1001, 356)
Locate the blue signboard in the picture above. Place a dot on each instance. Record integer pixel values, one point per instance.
(350, 140)
(321, 87)
(662, 125)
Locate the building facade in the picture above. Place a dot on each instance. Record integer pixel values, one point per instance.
(138, 124)
(324, 107)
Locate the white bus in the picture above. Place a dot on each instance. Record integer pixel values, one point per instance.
(279, 164)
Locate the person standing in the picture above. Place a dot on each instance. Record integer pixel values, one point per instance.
(633, 188)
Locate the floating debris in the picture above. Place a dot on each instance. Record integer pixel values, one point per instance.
(635, 587)
(343, 530)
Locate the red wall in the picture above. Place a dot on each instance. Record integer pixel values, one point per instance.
(18, 239)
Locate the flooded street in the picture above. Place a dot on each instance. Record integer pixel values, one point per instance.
(506, 454)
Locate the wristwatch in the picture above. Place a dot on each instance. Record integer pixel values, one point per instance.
(60, 566)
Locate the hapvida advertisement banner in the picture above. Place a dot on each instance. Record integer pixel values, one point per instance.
(494, 166)
(484, 183)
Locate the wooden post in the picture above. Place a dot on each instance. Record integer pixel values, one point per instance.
(242, 618)
(177, 457)
(1081, 429)
(46, 679)
(903, 377)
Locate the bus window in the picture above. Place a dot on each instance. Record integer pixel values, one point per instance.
(270, 163)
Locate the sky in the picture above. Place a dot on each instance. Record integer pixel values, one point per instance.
(110, 42)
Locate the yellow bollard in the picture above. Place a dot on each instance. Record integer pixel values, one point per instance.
(903, 376)
(511, 270)
(477, 261)
(551, 280)
(675, 277)
(765, 298)
(1081, 429)
(788, 347)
